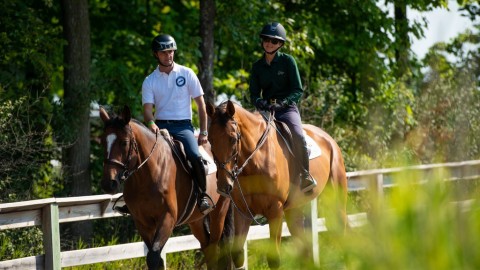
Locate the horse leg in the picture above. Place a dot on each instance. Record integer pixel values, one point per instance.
(242, 225)
(156, 242)
(201, 233)
(299, 228)
(217, 252)
(275, 225)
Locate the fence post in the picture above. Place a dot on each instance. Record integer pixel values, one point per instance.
(163, 255)
(245, 255)
(376, 196)
(51, 237)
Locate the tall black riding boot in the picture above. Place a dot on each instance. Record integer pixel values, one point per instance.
(201, 179)
(307, 182)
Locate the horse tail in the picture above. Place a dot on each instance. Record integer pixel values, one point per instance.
(338, 177)
(226, 240)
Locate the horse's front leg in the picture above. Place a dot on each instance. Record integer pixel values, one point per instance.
(242, 225)
(215, 246)
(156, 242)
(273, 257)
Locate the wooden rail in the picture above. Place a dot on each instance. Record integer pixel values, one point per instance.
(49, 213)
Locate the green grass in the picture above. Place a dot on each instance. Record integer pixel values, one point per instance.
(412, 227)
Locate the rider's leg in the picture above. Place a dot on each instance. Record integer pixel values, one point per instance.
(291, 117)
(184, 133)
(201, 179)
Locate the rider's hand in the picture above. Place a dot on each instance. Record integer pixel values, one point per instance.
(279, 105)
(261, 104)
(275, 106)
(202, 139)
(153, 127)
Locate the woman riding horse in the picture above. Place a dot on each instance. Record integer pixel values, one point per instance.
(258, 172)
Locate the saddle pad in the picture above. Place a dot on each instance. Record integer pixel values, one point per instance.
(211, 167)
(312, 147)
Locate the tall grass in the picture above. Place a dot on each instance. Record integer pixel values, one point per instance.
(418, 226)
(414, 226)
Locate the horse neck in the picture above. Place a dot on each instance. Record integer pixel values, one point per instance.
(252, 127)
(146, 142)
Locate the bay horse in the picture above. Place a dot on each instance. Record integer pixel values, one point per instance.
(258, 173)
(158, 189)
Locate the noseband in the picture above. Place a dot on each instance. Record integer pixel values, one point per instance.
(133, 147)
(236, 171)
(234, 157)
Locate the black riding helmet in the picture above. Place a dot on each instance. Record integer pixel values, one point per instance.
(274, 30)
(163, 43)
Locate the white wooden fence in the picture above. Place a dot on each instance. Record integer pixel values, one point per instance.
(49, 213)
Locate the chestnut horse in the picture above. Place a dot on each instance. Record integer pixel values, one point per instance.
(158, 190)
(258, 173)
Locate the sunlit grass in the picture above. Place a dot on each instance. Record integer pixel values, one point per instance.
(416, 225)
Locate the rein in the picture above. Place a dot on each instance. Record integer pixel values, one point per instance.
(236, 171)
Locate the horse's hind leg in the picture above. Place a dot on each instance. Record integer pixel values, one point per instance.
(201, 233)
(300, 228)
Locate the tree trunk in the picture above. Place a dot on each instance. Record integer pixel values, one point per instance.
(402, 40)
(207, 24)
(76, 29)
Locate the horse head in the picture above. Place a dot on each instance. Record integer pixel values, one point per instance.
(120, 149)
(224, 137)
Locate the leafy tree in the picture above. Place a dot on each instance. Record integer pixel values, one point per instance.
(30, 65)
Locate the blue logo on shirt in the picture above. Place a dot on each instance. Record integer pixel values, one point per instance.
(180, 81)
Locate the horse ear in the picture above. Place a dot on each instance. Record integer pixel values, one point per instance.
(104, 115)
(230, 108)
(210, 109)
(126, 114)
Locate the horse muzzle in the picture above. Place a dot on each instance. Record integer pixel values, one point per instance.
(110, 186)
(225, 191)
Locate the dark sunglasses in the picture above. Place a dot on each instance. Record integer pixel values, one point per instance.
(271, 40)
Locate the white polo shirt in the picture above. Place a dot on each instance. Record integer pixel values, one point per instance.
(172, 93)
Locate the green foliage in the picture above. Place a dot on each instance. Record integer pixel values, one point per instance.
(26, 153)
(417, 227)
(20, 243)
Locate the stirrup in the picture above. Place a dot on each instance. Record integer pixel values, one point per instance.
(308, 182)
(122, 210)
(204, 206)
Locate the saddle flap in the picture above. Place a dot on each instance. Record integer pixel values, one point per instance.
(312, 147)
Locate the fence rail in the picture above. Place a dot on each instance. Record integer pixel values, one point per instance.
(49, 213)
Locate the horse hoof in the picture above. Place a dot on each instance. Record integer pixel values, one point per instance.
(223, 193)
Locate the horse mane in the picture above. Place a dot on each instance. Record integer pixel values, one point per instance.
(223, 117)
(117, 122)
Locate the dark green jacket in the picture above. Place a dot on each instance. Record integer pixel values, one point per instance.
(280, 80)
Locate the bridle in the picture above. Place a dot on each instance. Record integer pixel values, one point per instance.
(236, 171)
(125, 165)
(234, 157)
